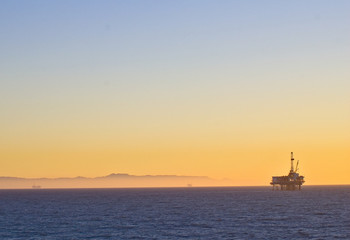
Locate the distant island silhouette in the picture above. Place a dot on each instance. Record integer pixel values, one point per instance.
(114, 180)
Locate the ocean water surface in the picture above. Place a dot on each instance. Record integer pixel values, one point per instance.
(321, 212)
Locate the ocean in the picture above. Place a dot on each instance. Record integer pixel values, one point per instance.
(316, 212)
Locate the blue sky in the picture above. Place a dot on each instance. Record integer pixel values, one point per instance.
(205, 47)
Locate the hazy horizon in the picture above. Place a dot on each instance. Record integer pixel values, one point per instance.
(125, 180)
(119, 180)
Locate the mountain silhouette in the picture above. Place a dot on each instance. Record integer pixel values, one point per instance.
(113, 180)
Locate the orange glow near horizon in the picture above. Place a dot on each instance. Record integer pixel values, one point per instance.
(246, 160)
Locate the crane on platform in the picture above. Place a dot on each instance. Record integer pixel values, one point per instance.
(296, 168)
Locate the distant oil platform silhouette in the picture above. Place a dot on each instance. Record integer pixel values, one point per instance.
(291, 182)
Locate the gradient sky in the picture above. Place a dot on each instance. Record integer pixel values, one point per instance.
(225, 89)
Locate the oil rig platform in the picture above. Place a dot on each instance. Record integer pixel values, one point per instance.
(291, 182)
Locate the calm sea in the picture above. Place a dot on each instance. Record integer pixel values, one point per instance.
(176, 213)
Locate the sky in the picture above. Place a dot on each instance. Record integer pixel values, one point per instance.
(225, 89)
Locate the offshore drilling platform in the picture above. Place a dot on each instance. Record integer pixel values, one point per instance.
(290, 182)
